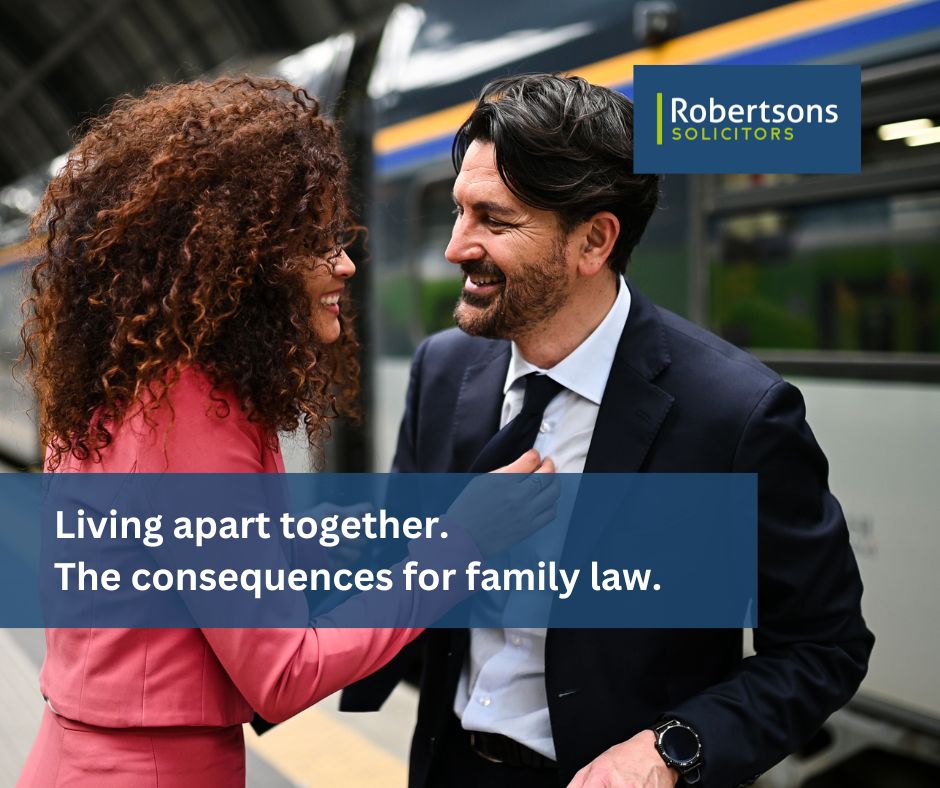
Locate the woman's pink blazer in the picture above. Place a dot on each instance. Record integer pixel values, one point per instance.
(122, 678)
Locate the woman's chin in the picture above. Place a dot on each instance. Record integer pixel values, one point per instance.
(328, 330)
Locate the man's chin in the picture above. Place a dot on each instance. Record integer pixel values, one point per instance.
(476, 321)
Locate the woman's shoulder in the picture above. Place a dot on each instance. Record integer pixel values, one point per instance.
(197, 427)
(201, 427)
(192, 393)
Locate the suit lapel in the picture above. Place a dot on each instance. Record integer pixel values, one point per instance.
(631, 414)
(479, 403)
(633, 408)
(476, 420)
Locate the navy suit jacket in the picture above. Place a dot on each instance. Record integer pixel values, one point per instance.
(678, 399)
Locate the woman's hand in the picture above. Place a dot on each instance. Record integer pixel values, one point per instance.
(498, 515)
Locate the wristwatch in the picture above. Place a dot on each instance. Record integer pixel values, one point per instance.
(681, 749)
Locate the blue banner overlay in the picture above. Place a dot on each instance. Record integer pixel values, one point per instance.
(751, 119)
(378, 550)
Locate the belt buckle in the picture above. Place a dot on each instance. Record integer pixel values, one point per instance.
(478, 751)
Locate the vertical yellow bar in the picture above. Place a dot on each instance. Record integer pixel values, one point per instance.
(659, 118)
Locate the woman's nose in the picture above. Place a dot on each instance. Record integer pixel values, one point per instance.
(344, 267)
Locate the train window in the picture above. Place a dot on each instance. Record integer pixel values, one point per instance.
(416, 287)
(838, 263)
(395, 329)
(856, 275)
(440, 281)
(741, 181)
(659, 265)
(903, 142)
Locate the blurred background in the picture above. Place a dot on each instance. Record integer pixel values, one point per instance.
(834, 281)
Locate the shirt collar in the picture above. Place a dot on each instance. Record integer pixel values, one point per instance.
(586, 368)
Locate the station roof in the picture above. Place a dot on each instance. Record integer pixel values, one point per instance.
(62, 61)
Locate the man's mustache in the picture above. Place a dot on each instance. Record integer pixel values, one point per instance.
(481, 268)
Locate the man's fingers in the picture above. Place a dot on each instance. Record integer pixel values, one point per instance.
(527, 463)
(547, 466)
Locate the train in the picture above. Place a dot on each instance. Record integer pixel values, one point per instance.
(832, 280)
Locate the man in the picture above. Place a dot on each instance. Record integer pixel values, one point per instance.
(548, 211)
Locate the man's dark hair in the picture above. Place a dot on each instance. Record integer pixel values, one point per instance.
(565, 145)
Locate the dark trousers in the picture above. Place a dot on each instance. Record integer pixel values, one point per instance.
(458, 766)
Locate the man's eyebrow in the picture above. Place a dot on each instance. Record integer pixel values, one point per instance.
(485, 206)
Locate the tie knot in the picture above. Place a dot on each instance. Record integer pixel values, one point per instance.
(539, 391)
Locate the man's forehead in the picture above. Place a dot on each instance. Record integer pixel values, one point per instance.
(479, 175)
(479, 164)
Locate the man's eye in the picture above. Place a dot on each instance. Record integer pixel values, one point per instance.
(458, 211)
(496, 223)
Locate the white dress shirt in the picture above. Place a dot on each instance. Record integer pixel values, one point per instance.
(502, 685)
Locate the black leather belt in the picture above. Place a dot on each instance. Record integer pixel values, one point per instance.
(496, 748)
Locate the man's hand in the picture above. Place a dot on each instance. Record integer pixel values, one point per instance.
(633, 764)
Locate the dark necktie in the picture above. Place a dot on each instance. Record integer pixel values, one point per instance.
(517, 437)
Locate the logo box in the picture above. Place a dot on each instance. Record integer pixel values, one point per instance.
(749, 119)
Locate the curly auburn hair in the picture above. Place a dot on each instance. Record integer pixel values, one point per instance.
(180, 232)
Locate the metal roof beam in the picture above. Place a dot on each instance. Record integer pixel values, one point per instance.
(34, 73)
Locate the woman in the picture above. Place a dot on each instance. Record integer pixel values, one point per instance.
(189, 304)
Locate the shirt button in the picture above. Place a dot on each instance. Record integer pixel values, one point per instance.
(516, 641)
(545, 427)
(484, 700)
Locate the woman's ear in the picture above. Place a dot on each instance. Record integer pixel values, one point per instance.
(598, 236)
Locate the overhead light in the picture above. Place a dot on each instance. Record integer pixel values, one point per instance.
(928, 137)
(57, 164)
(895, 131)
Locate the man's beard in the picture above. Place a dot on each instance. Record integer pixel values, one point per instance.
(532, 293)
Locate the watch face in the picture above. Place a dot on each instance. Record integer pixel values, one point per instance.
(680, 744)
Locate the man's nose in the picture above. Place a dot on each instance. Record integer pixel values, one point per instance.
(463, 246)
(344, 267)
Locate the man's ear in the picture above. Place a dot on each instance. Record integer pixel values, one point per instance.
(597, 237)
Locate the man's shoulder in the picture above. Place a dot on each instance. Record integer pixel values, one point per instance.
(721, 389)
(698, 359)
(453, 346)
(693, 346)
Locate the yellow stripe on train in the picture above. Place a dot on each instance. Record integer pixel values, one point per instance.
(739, 35)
